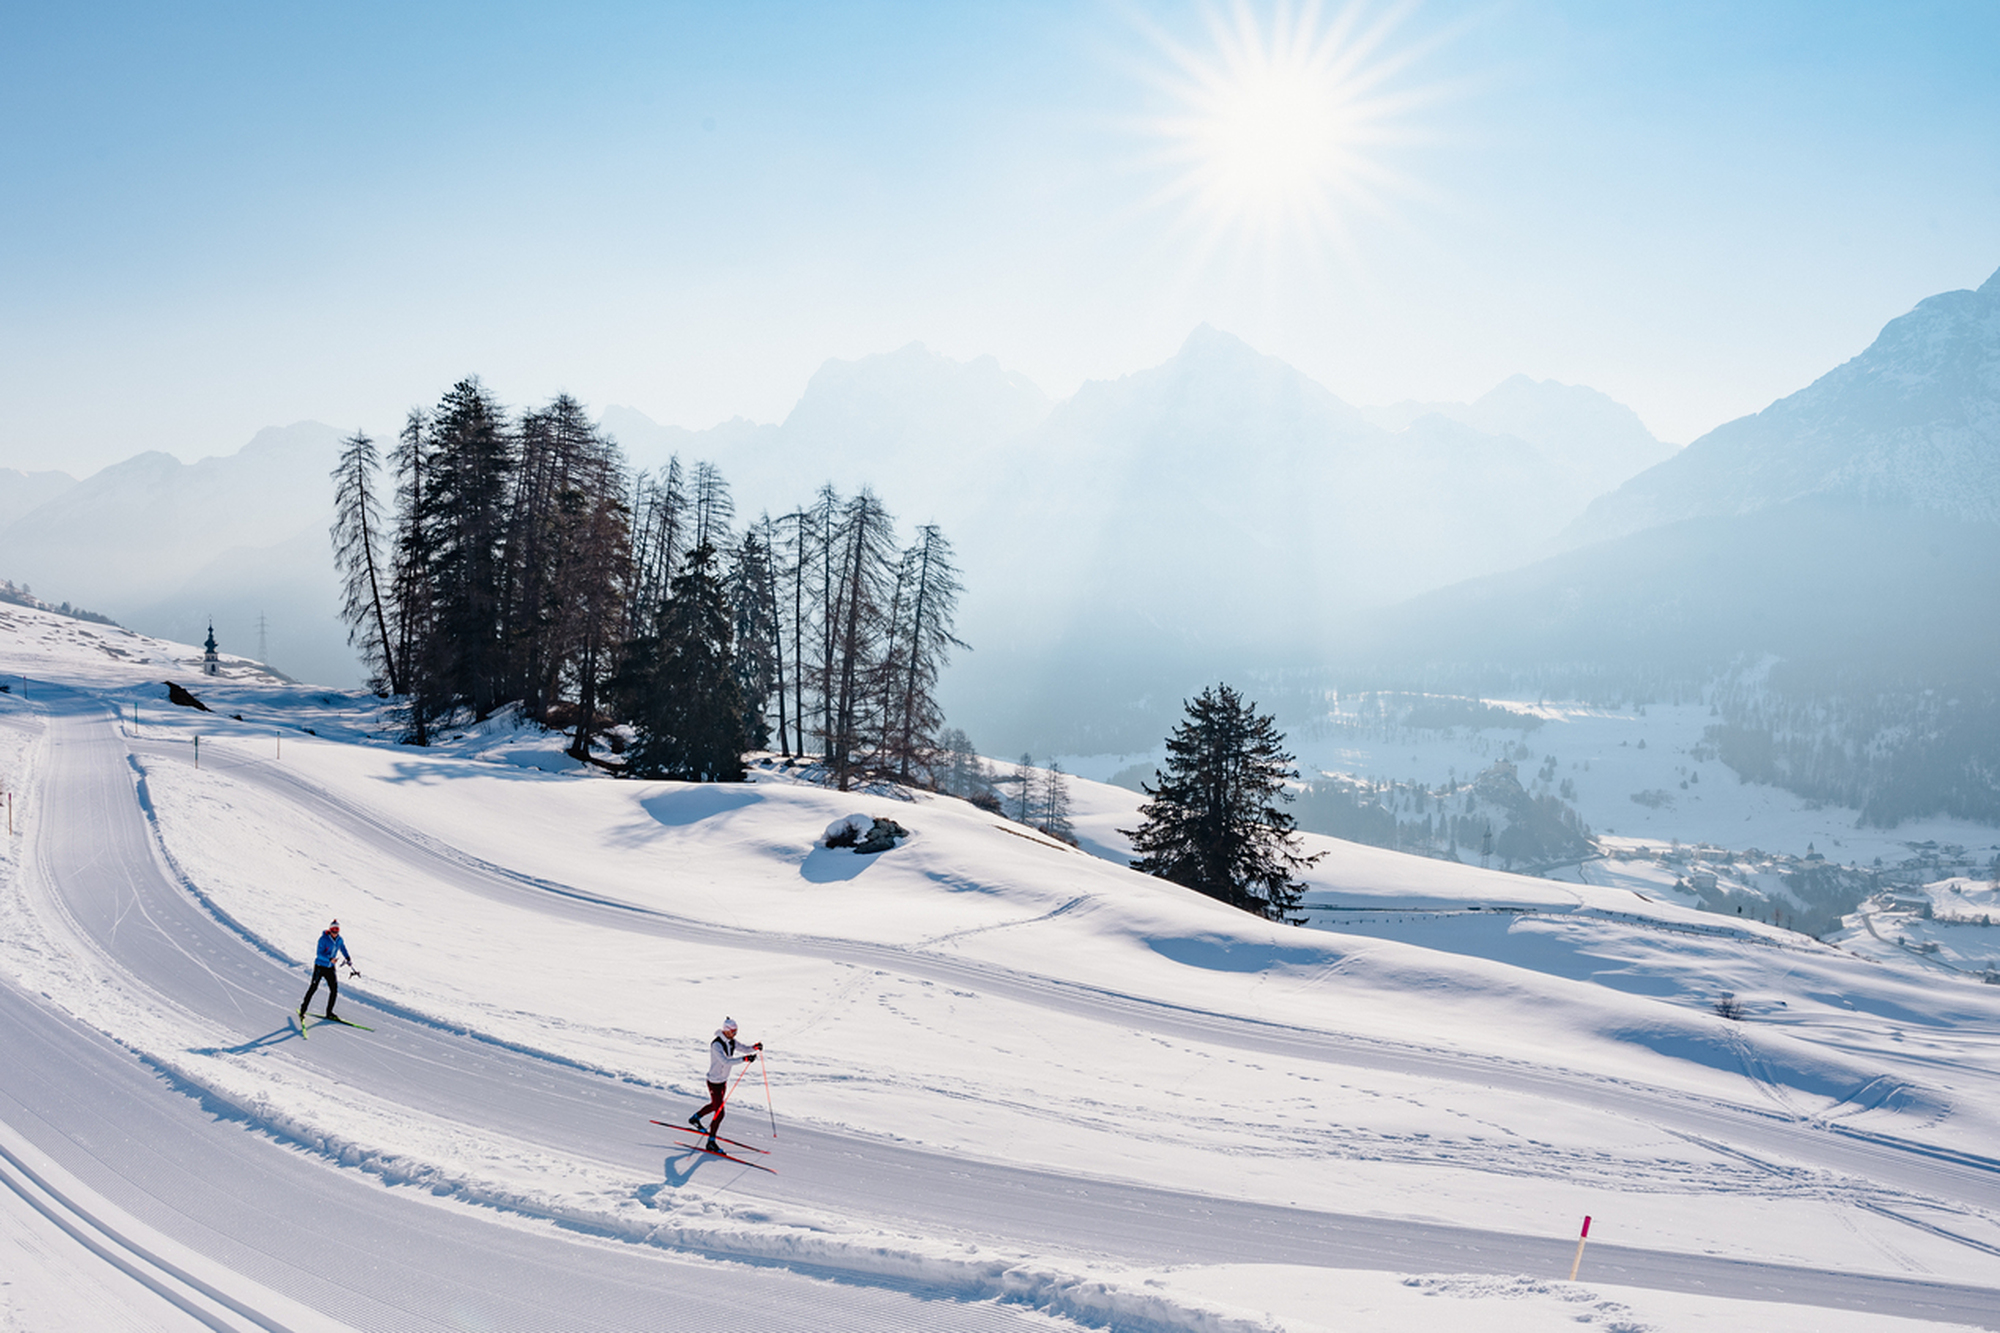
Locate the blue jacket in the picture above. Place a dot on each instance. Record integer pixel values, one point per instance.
(329, 943)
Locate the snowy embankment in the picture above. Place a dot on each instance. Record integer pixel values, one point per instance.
(1467, 1046)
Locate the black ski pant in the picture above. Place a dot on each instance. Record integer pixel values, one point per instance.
(322, 972)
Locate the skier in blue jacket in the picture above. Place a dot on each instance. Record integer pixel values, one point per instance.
(330, 944)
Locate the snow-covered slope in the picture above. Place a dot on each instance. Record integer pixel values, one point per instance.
(1011, 1083)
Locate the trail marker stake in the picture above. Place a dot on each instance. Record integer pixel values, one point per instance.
(1579, 1248)
(197, 752)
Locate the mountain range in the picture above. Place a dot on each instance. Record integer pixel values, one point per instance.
(1218, 512)
(1854, 521)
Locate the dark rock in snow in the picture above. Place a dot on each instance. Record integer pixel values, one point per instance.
(175, 694)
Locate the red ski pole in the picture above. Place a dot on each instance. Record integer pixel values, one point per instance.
(767, 1096)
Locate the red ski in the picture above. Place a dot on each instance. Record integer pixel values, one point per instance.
(690, 1129)
(731, 1157)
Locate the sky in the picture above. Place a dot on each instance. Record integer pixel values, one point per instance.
(216, 218)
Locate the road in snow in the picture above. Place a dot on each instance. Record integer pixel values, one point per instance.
(278, 1231)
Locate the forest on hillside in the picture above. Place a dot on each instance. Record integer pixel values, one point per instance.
(515, 560)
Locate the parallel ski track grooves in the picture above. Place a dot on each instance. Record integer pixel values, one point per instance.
(163, 1277)
(401, 1264)
(1460, 1248)
(1271, 1037)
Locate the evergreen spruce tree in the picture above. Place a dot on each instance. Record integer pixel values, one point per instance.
(759, 637)
(1214, 823)
(471, 464)
(680, 687)
(412, 557)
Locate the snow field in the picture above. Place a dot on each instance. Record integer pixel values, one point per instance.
(1507, 1069)
(1318, 1300)
(951, 1065)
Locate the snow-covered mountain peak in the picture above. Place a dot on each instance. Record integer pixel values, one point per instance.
(1912, 422)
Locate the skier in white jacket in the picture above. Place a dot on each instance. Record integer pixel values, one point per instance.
(722, 1053)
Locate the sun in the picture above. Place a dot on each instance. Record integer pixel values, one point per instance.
(1277, 129)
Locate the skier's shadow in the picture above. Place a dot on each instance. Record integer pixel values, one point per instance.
(271, 1038)
(677, 1170)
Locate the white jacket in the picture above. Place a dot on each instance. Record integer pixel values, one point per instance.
(721, 1055)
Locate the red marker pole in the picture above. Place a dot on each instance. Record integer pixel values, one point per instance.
(1579, 1249)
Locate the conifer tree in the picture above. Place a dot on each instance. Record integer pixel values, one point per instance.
(1024, 790)
(924, 648)
(471, 463)
(680, 687)
(759, 652)
(859, 614)
(1054, 804)
(410, 577)
(357, 535)
(1214, 823)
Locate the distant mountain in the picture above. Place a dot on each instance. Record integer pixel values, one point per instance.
(1594, 441)
(1912, 422)
(161, 545)
(1228, 494)
(1218, 510)
(1854, 520)
(1823, 574)
(908, 423)
(22, 491)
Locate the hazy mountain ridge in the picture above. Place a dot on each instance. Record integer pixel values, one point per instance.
(1595, 440)
(21, 491)
(908, 423)
(1913, 420)
(1823, 578)
(1218, 499)
(1168, 478)
(161, 545)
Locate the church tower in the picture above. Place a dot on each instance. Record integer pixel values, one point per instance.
(210, 666)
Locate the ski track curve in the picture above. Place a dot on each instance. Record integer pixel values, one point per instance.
(1919, 1167)
(111, 873)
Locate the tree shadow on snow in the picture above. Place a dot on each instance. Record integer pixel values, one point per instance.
(693, 803)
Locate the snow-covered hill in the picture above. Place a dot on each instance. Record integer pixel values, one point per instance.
(1011, 1083)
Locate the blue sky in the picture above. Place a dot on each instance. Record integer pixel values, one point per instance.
(223, 217)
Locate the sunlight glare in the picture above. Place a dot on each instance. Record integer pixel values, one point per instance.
(1274, 124)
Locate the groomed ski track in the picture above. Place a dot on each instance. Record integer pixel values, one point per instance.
(283, 1216)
